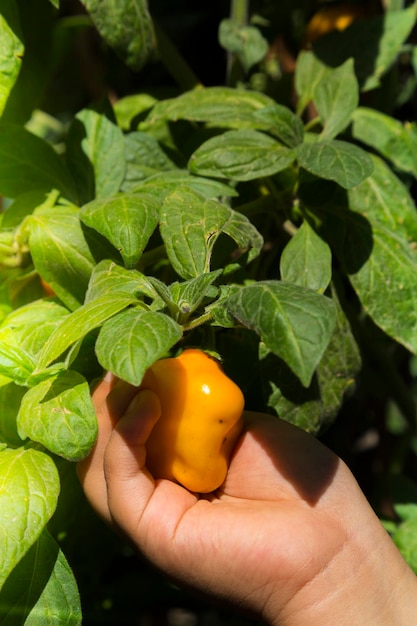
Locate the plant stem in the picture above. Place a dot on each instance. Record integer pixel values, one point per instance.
(312, 123)
(198, 321)
(174, 62)
(239, 14)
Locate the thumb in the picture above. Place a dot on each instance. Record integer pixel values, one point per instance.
(132, 491)
(129, 484)
(125, 453)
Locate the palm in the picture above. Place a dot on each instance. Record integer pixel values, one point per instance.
(266, 523)
(270, 487)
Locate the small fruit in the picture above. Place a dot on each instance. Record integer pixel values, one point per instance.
(200, 422)
(332, 17)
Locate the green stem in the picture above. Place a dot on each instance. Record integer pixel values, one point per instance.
(174, 62)
(239, 14)
(198, 321)
(312, 123)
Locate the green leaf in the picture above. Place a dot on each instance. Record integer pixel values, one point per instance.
(406, 510)
(10, 398)
(384, 199)
(144, 158)
(309, 71)
(109, 279)
(307, 260)
(163, 293)
(28, 163)
(190, 225)
(29, 487)
(280, 122)
(95, 154)
(15, 363)
(405, 538)
(248, 238)
(379, 254)
(336, 97)
(240, 155)
(315, 407)
(12, 49)
(59, 414)
(37, 21)
(218, 310)
(373, 231)
(219, 106)
(132, 341)
(339, 367)
(295, 323)
(61, 253)
(79, 324)
(24, 205)
(163, 184)
(390, 137)
(374, 44)
(126, 26)
(126, 220)
(129, 107)
(41, 589)
(189, 294)
(246, 42)
(29, 326)
(342, 162)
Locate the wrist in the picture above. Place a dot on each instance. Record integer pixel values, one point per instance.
(367, 582)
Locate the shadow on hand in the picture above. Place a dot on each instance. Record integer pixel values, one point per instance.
(302, 463)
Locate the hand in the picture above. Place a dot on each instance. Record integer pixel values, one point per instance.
(289, 537)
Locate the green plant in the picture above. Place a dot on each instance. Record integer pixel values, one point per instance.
(269, 217)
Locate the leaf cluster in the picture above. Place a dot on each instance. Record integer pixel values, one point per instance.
(221, 217)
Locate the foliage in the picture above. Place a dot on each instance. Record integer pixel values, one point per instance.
(265, 211)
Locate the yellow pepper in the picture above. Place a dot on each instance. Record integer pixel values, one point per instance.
(201, 419)
(332, 17)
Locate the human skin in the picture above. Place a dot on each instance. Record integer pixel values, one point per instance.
(289, 538)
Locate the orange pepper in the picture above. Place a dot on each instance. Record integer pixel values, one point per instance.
(332, 17)
(200, 422)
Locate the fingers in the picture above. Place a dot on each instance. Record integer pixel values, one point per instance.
(114, 476)
(111, 399)
(148, 512)
(129, 485)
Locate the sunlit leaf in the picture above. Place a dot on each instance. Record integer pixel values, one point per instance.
(132, 341)
(59, 413)
(41, 589)
(12, 49)
(126, 220)
(29, 487)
